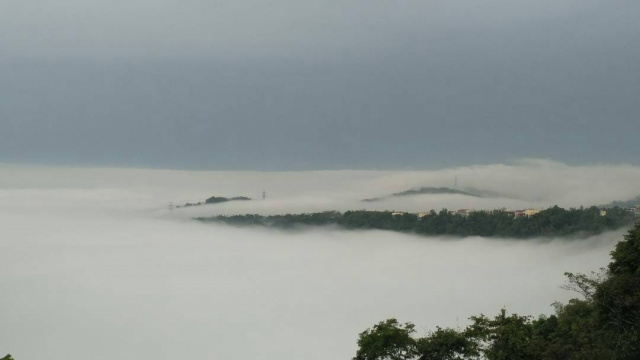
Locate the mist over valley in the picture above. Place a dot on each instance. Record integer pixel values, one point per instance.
(94, 257)
(296, 179)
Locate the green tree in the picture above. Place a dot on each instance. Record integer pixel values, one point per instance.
(503, 337)
(446, 344)
(618, 297)
(388, 340)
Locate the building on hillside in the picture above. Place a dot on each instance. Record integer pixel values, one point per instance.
(531, 212)
(603, 212)
(397, 213)
(422, 214)
(464, 212)
(518, 214)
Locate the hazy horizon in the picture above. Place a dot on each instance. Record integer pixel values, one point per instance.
(526, 183)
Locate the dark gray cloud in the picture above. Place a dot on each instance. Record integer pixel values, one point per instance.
(303, 85)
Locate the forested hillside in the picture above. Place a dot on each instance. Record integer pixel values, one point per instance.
(554, 221)
(603, 324)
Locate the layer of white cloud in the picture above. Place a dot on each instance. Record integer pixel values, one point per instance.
(524, 184)
(95, 266)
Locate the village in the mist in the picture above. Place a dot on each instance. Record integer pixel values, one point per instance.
(95, 263)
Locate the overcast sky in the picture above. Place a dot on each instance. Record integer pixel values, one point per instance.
(303, 84)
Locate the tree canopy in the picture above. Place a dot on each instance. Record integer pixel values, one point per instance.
(604, 324)
(552, 222)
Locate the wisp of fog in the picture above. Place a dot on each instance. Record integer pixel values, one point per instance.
(95, 265)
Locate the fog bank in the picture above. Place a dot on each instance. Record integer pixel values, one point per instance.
(95, 266)
(522, 184)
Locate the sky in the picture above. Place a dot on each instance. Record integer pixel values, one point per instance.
(95, 266)
(306, 85)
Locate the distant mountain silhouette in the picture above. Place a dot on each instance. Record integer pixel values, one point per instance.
(623, 204)
(434, 191)
(213, 200)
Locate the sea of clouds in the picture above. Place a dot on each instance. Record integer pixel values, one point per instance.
(93, 265)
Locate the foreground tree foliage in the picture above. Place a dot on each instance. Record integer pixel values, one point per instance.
(605, 324)
(8, 357)
(554, 221)
(446, 344)
(387, 340)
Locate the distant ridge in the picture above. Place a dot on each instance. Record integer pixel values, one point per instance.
(429, 190)
(623, 204)
(551, 222)
(214, 200)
